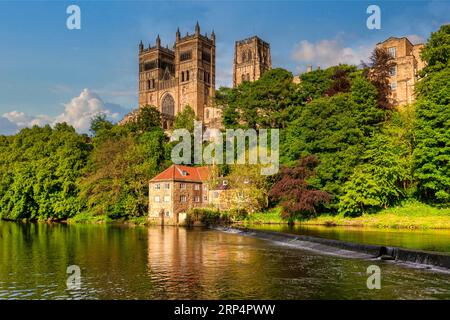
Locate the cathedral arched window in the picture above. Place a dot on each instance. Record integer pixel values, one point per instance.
(182, 76)
(168, 105)
(187, 75)
(244, 58)
(249, 55)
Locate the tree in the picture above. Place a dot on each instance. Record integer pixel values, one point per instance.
(385, 174)
(185, 119)
(265, 103)
(294, 193)
(116, 182)
(249, 189)
(378, 72)
(432, 127)
(99, 123)
(39, 172)
(436, 51)
(318, 83)
(336, 129)
(148, 118)
(340, 84)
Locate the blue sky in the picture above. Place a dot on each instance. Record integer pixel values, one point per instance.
(49, 73)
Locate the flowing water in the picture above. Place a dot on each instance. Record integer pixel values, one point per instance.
(120, 262)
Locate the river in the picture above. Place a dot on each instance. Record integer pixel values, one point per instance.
(123, 262)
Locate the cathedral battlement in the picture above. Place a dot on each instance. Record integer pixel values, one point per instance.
(252, 39)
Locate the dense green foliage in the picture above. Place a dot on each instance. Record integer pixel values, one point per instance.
(336, 129)
(185, 119)
(385, 174)
(39, 168)
(265, 103)
(432, 148)
(437, 51)
(115, 182)
(57, 174)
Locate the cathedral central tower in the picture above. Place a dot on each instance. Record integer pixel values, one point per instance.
(251, 59)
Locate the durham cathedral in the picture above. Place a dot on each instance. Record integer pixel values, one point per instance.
(185, 75)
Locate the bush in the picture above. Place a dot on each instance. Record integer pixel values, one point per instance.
(237, 214)
(205, 216)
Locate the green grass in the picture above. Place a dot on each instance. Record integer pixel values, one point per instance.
(412, 215)
(88, 218)
(269, 217)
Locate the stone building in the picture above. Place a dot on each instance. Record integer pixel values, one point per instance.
(176, 190)
(180, 188)
(404, 75)
(172, 78)
(251, 59)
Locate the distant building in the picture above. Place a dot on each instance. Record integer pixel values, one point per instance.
(251, 59)
(404, 75)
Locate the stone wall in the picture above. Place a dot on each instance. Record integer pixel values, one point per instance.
(408, 65)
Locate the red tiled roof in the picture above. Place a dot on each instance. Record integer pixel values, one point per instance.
(175, 172)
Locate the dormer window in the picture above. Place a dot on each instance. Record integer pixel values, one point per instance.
(225, 182)
(184, 173)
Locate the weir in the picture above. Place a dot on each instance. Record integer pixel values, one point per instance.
(347, 249)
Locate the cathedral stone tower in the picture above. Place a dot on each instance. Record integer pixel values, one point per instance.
(172, 78)
(251, 60)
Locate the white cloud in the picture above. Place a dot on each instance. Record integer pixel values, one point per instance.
(78, 113)
(415, 39)
(7, 127)
(80, 110)
(20, 119)
(326, 53)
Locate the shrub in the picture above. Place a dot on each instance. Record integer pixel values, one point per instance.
(203, 215)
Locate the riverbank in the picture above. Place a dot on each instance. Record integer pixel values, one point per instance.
(411, 215)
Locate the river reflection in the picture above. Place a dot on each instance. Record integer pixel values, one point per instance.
(428, 240)
(119, 262)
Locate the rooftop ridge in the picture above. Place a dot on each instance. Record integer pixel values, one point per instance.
(175, 172)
